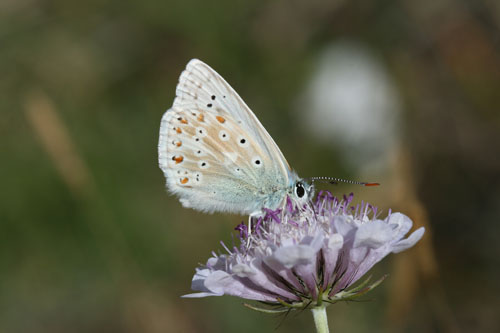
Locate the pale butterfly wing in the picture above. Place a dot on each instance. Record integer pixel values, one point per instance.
(203, 87)
(214, 152)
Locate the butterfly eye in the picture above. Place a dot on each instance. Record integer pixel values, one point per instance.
(300, 190)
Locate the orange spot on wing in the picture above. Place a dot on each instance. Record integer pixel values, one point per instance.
(184, 180)
(178, 159)
(178, 130)
(221, 119)
(178, 143)
(184, 121)
(201, 117)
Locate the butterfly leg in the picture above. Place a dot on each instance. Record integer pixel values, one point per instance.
(255, 216)
(250, 217)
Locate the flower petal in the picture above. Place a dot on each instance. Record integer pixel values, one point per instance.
(408, 242)
(331, 254)
(198, 283)
(401, 224)
(290, 256)
(199, 295)
(335, 242)
(222, 283)
(373, 234)
(315, 242)
(243, 270)
(341, 225)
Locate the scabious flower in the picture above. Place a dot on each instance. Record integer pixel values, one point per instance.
(306, 257)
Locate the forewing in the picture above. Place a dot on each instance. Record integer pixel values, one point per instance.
(203, 87)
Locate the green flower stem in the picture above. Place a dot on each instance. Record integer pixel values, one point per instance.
(320, 319)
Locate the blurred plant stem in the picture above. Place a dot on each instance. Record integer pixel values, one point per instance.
(54, 137)
(56, 141)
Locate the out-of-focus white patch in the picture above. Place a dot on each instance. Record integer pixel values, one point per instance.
(351, 102)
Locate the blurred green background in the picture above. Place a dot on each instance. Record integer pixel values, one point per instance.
(402, 92)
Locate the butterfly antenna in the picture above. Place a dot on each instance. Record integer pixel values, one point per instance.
(335, 181)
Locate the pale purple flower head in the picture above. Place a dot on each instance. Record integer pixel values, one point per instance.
(301, 256)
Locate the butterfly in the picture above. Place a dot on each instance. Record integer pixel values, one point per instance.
(217, 156)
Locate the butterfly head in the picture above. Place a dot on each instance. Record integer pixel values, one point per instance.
(301, 191)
